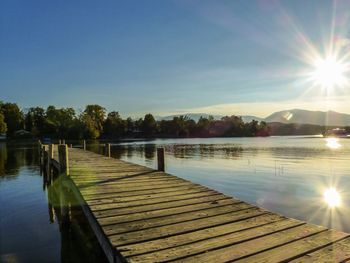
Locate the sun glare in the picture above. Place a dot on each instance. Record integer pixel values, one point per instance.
(332, 197)
(333, 143)
(329, 73)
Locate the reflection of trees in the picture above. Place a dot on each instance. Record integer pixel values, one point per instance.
(150, 150)
(14, 157)
(3, 158)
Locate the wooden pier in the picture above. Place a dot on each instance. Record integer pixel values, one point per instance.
(143, 215)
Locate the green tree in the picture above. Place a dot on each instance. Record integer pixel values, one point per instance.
(166, 128)
(181, 126)
(93, 118)
(130, 125)
(60, 121)
(252, 128)
(263, 129)
(203, 125)
(114, 125)
(3, 125)
(35, 120)
(13, 117)
(149, 124)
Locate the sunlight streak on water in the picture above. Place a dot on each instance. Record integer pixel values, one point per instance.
(332, 197)
(333, 143)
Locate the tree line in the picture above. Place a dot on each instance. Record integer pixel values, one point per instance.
(95, 122)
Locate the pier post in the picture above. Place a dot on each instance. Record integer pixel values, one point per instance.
(49, 158)
(84, 145)
(160, 158)
(63, 158)
(63, 141)
(71, 145)
(108, 150)
(40, 147)
(42, 155)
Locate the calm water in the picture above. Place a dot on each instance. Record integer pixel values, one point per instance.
(301, 177)
(289, 175)
(31, 228)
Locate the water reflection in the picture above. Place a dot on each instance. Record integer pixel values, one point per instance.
(36, 208)
(333, 143)
(332, 197)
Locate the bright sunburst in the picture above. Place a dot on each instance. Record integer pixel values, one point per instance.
(332, 197)
(329, 72)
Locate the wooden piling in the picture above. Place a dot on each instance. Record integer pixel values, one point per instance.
(108, 150)
(49, 158)
(84, 145)
(160, 158)
(63, 141)
(63, 158)
(42, 155)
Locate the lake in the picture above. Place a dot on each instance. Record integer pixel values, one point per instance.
(301, 177)
(30, 225)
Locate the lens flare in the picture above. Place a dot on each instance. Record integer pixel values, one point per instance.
(329, 72)
(332, 197)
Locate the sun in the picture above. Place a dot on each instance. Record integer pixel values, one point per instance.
(329, 72)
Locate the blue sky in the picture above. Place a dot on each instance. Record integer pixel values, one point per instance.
(164, 57)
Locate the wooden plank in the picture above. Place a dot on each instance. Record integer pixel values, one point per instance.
(336, 252)
(121, 189)
(206, 217)
(148, 198)
(222, 228)
(182, 204)
(295, 249)
(175, 229)
(254, 246)
(118, 209)
(151, 201)
(183, 189)
(213, 242)
(115, 184)
(126, 180)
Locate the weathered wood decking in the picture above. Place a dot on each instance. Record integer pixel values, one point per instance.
(142, 215)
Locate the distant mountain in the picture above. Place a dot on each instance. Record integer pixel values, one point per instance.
(193, 116)
(330, 118)
(196, 116)
(297, 116)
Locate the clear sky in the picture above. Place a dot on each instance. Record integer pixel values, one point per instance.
(165, 57)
